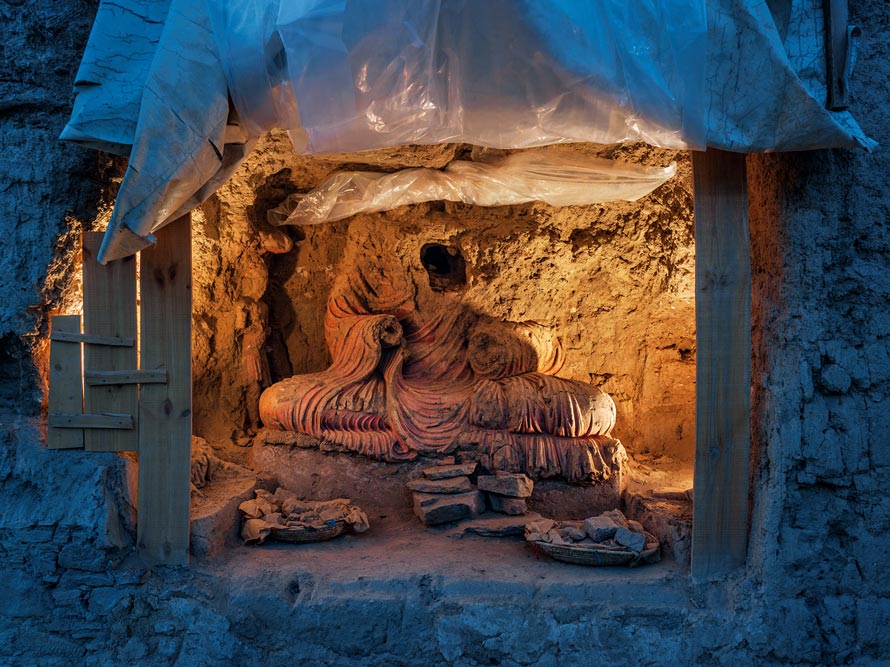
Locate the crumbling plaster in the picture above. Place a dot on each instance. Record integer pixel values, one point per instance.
(814, 590)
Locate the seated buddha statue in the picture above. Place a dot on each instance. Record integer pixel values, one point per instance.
(427, 375)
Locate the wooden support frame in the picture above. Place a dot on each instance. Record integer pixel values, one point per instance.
(165, 410)
(95, 378)
(83, 421)
(838, 52)
(65, 391)
(109, 312)
(110, 404)
(723, 363)
(72, 337)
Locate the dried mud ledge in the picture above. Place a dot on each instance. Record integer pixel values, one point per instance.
(653, 492)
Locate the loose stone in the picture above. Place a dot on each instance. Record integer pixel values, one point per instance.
(448, 485)
(499, 526)
(512, 485)
(436, 509)
(630, 539)
(571, 532)
(445, 472)
(505, 505)
(601, 528)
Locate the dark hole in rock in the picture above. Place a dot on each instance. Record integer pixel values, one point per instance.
(445, 266)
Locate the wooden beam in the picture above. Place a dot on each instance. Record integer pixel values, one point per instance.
(837, 52)
(109, 310)
(165, 410)
(88, 421)
(78, 337)
(723, 361)
(65, 386)
(156, 376)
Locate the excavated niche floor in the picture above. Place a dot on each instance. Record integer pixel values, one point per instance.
(397, 552)
(400, 594)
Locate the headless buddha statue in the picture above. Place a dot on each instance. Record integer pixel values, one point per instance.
(429, 376)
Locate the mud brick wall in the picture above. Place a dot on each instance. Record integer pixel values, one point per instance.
(814, 590)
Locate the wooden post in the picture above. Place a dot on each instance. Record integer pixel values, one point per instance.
(109, 309)
(723, 376)
(837, 52)
(65, 383)
(165, 410)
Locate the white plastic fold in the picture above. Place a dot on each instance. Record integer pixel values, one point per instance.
(554, 178)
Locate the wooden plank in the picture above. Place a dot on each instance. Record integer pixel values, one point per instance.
(109, 309)
(65, 386)
(78, 337)
(87, 421)
(165, 419)
(156, 376)
(723, 376)
(837, 52)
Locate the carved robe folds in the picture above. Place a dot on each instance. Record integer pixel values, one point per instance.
(403, 383)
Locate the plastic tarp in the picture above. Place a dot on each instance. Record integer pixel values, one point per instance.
(551, 177)
(500, 73)
(185, 86)
(113, 73)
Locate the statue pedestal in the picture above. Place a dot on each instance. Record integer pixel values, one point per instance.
(296, 462)
(556, 499)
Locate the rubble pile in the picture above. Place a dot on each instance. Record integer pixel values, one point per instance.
(283, 509)
(607, 531)
(445, 494)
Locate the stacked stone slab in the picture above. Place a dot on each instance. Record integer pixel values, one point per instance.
(507, 493)
(445, 494)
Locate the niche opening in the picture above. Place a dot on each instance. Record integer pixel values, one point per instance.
(445, 266)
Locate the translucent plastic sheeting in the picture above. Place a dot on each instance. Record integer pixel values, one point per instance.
(253, 58)
(500, 73)
(184, 87)
(767, 81)
(182, 146)
(522, 177)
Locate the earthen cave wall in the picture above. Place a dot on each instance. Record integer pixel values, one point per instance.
(614, 280)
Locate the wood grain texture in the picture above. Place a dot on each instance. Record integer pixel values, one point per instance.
(723, 321)
(94, 378)
(63, 420)
(165, 410)
(78, 337)
(65, 384)
(109, 309)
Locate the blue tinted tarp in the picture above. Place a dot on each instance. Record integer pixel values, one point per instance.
(501, 73)
(184, 86)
